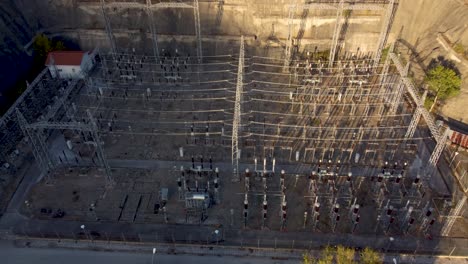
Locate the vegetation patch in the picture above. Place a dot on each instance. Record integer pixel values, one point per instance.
(343, 255)
(443, 80)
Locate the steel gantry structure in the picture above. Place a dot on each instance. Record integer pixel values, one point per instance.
(34, 132)
(38, 143)
(236, 123)
(384, 32)
(42, 94)
(149, 8)
(454, 213)
(440, 138)
(415, 96)
(416, 117)
(342, 5)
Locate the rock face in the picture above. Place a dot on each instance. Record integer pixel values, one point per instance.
(430, 28)
(15, 32)
(422, 25)
(266, 19)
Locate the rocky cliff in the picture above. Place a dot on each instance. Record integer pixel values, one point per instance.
(15, 32)
(429, 28)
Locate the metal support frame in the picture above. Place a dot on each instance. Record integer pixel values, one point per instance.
(399, 91)
(237, 113)
(302, 25)
(439, 148)
(287, 51)
(92, 128)
(60, 125)
(386, 67)
(417, 100)
(36, 96)
(100, 151)
(336, 34)
(384, 32)
(39, 149)
(148, 6)
(153, 6)
(453, 216)
(414, 123)
(396, 98)
(319, 6)
(154, 36)
(196, 15)
(26, 93)
(108, 26)
(415, 120)
(346, 6)
(61, 101)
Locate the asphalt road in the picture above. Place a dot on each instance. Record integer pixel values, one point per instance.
(9, 254)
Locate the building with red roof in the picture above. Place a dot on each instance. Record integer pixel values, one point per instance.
(69, 64)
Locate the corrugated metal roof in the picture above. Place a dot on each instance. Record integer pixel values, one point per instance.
(70, 58)
(459, 139)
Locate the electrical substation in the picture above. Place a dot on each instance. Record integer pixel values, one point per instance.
(284, 137)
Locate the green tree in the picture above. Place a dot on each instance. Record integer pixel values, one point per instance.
(42, 45)
(443, 82)
(307, 258)
(428, 102)
(369, 256)
(58, 45)
(326, 256)
(344, 255)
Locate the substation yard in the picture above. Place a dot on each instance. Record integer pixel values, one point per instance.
(326, 149)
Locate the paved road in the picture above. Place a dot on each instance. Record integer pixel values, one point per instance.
(9, 254)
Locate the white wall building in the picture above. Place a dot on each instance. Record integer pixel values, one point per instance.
(69, 64)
